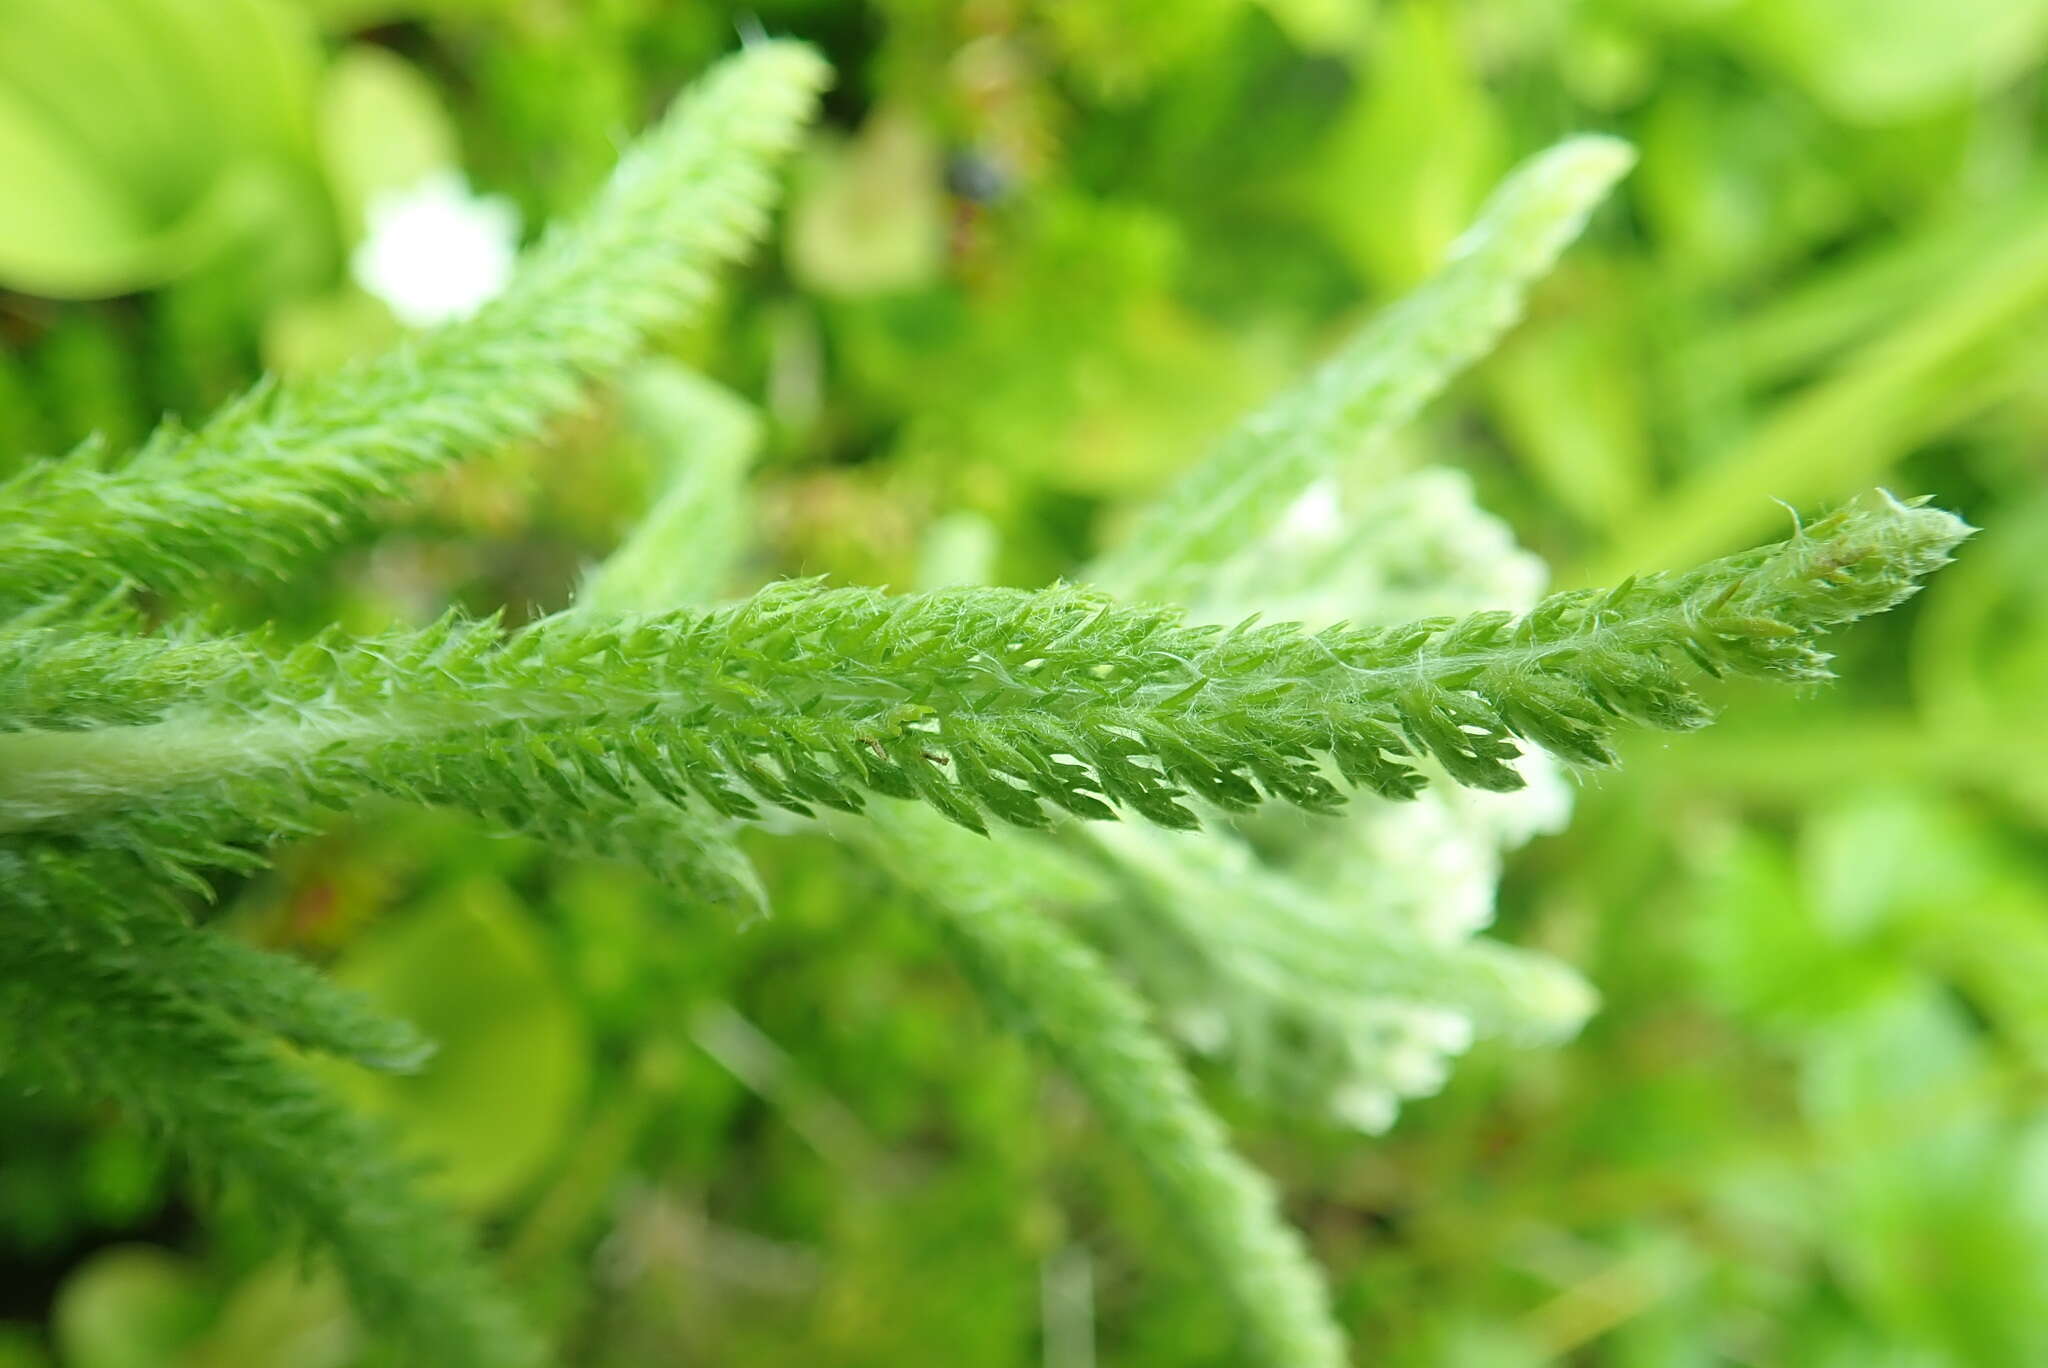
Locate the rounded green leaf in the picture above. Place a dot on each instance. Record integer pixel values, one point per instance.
(139, 138)
(380, 127)
(131, 1306)
(508, 1078)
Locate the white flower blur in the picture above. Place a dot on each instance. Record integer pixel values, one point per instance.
(1317, 515)
(435, 251)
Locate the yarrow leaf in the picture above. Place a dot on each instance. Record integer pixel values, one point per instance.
(983, 703)
(288, 469)
(1379, 380)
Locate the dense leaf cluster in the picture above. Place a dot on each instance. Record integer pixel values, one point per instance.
(135, 764)
(106, 989)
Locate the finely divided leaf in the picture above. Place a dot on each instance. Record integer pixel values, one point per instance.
(286, 470)
(1379, 381)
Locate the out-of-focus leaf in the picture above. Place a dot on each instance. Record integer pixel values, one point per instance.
(308, 336)
(67, 231)
(511, 1064)
(1731, 185)
(1812, 318)
(1122, 49)
(1339, 417)
(1980, 657)
(141, 138)
(872, 216)
(1121, 379)
(1415, 153)
(1322, 25)
(282, 1315)
(131, 1306)
(959, 548)
(380, 127)
(1880, 61)
(1573, 405)
(1880, 854)
(1940, 365)
(1939, 1210)
(352, 16)
(683, 549)
(1758, 950)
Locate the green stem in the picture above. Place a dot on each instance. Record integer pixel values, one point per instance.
(1056, 989)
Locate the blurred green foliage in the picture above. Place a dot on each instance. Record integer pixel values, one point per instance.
(1041, 252)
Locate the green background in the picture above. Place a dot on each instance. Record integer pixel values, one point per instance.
(1810, 1124)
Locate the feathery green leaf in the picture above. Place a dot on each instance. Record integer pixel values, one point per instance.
(81, 1013)
(680, 552)
(1380, 379)
(289, 469)
(983, 703)
(1055, 989)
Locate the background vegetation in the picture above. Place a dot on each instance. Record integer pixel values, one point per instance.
(1037, 256)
